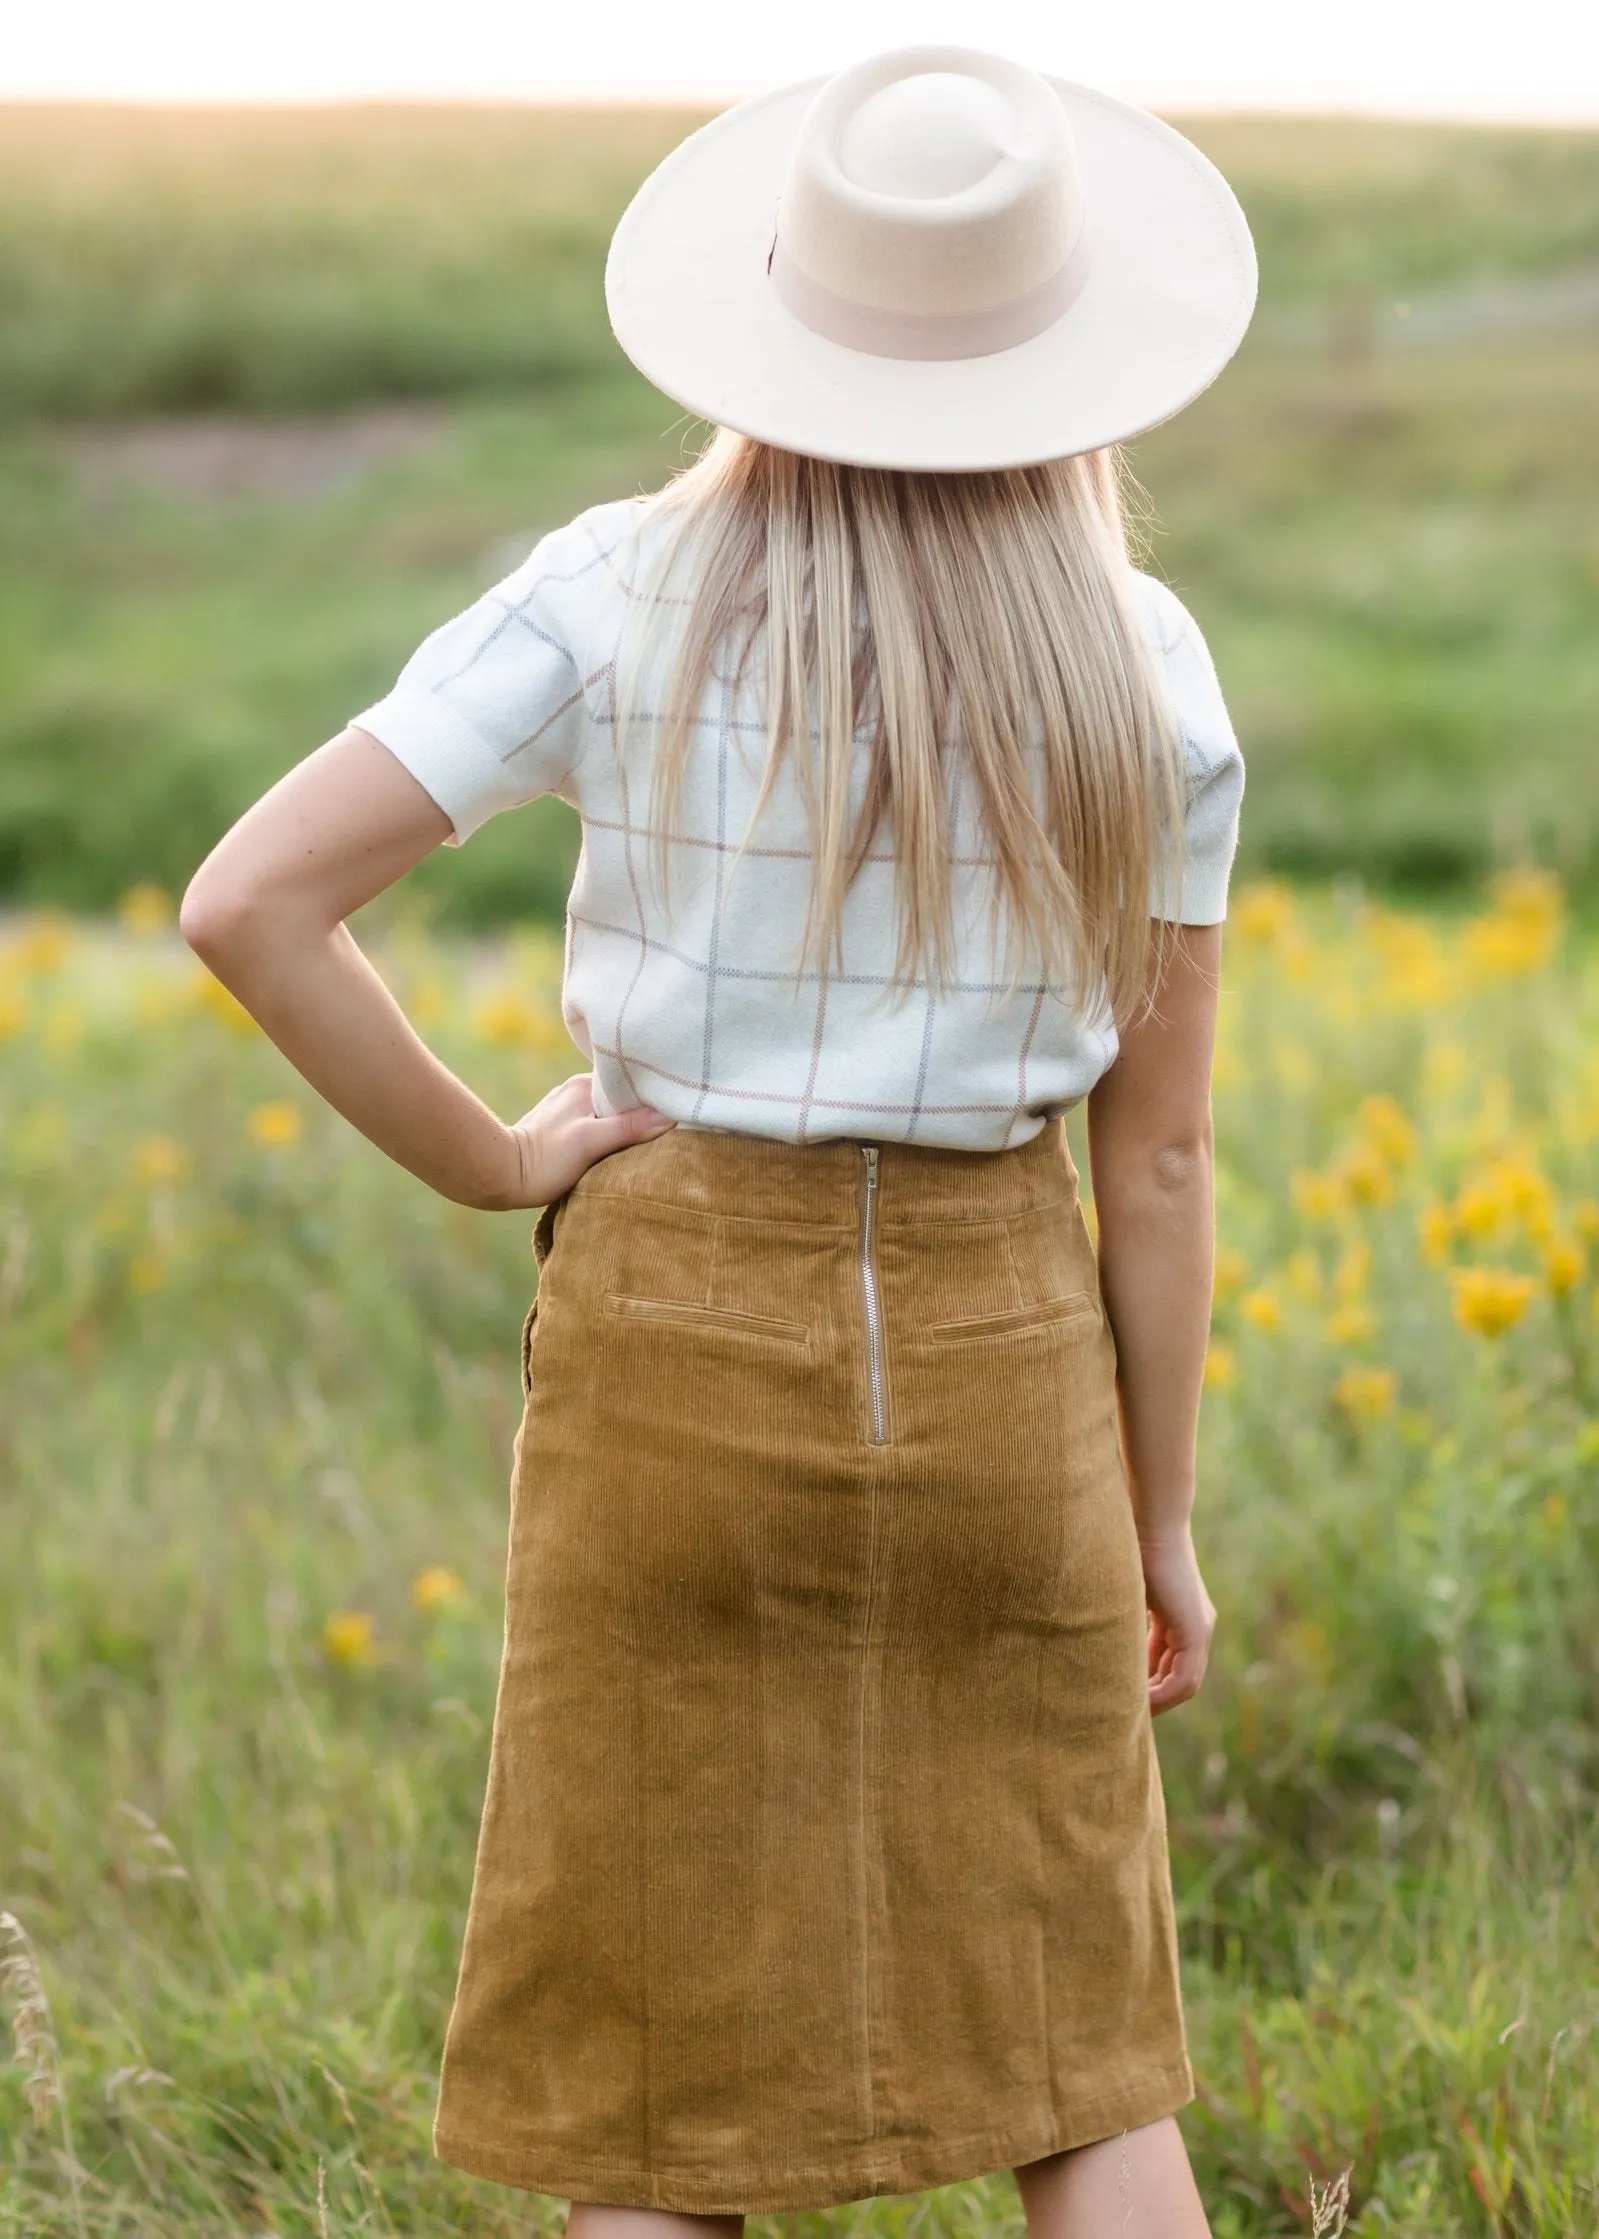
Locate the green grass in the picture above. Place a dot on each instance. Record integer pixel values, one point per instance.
(169, 261)
(256, 1376)
(162, 662)
(278, 1381)
(1385, 523)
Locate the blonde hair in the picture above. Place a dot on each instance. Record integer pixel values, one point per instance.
(971, 614)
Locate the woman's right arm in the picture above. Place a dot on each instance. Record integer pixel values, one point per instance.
(1151, 1158)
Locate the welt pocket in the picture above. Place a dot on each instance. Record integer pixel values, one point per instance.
(1047, 1312)
(706, 1317)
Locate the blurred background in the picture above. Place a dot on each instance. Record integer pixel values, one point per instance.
(302, 345)
(282, 388)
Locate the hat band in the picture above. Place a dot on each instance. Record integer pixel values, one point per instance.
(927, 334)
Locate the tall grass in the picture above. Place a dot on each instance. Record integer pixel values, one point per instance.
(272, 260)
(261, 1391)
(1383, 513)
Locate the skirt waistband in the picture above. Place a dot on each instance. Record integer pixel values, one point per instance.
(716, 1170)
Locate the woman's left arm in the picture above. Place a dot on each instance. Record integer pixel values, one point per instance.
(266, 913)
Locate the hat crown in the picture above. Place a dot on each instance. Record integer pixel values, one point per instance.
(936, 260)
(929, 136)
(933, 181)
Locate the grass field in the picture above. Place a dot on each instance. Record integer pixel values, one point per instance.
(278, 393)
(1383, 513)
(261, 1396)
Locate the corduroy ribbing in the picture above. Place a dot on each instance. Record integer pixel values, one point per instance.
(824, 1849)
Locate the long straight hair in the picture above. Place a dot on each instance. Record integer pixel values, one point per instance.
(989, 616)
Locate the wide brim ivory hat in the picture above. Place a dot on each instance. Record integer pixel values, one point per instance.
(937, 258)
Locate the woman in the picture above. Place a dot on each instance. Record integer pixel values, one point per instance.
(824, 1850)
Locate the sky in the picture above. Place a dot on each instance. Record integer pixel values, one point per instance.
(1536, 60)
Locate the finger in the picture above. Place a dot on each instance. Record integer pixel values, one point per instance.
(1180, 1683)
(617, 1129)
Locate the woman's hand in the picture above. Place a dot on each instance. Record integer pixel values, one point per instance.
(550, 1146)
(1182, 1620)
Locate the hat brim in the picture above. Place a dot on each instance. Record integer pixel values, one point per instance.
(1170, 291)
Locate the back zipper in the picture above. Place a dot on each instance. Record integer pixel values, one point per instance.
(874, 1331)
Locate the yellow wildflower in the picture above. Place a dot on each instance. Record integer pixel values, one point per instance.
(1262, 1307)
(440, 1588)
(276, 1124)
(1519, 933)
(1503, 947)
(1316, 1194)
(1263, 911)
(44, 944)
(510, 1017)
(1353, 1271)
(1413, 965)
(1479, 1207)
(1221, 1364)
(1384, 1125)
(1508, 1192)
(1585, 1217)
(1531, 1197)
(1562, 1265)
(1232, 1268)
(1435, 1225)
(1366, 1392)
(13, 1013)
(1353, 1323)
(145, 908)
(156, 1158)
(1298, 960)
(348, 1638)
(1365, 1175)
(1490, 1299)
(1529, 892)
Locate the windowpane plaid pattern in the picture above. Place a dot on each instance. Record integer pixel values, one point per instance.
(698, 1010)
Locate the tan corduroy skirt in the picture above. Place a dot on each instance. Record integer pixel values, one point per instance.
(824, 1848)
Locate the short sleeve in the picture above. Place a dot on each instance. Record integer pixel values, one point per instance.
(1214, 767)
(489, 711)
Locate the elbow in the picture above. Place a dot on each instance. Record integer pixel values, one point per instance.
(1154, 1177)
(1179, 1164)
(212, 920)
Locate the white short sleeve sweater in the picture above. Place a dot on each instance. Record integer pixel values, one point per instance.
(700, 1013)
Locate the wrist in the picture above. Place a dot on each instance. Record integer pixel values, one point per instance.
(1156, 1539)
(506, 1189)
